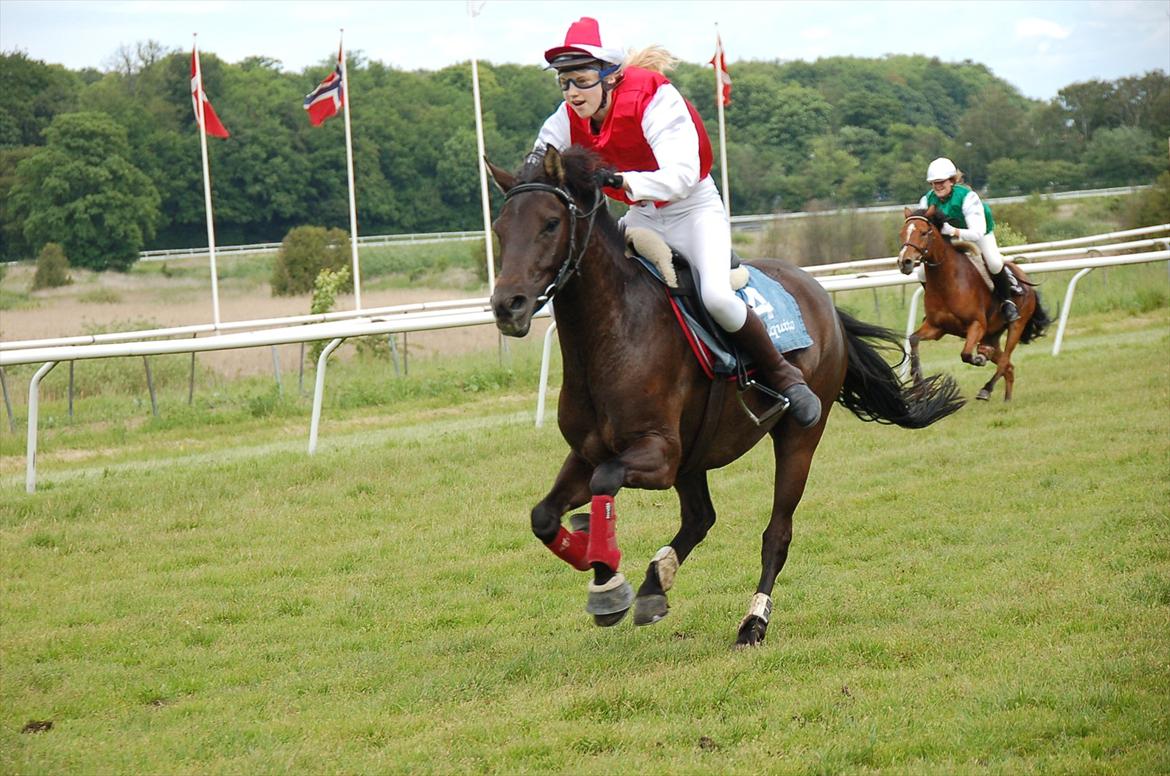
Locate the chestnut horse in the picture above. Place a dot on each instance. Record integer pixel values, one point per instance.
(958, 302)
(635, 407)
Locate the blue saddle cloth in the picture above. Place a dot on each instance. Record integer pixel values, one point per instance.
(771, 302)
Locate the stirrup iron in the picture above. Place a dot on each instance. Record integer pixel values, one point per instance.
(767, 416)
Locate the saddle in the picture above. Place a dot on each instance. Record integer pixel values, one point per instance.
(710, 344)
(975, 256)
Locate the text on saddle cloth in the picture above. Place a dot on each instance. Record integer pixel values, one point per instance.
(768, 298)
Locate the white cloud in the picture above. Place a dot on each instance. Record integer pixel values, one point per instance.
(1041, 28)
(816, 33)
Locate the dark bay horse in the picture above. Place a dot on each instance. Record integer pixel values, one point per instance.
(958, 302)
(635, 407)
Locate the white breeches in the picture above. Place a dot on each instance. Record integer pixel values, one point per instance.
(991, 257)
(697, 227)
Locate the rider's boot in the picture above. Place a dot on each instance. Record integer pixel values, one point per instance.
(1003, 293)
(753, 339)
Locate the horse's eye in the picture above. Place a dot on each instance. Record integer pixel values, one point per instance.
(551, 225)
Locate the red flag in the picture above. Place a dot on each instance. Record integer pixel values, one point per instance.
(326, 100)
(212, 124)
(719, 62)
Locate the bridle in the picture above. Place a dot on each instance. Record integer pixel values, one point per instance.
(922, 254)
(572, 257)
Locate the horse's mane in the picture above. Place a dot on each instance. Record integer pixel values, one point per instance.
(581, 167)
(935, 218)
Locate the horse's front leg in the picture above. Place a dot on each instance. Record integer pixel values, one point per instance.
(569, 490)
(975, 334)
(927, 331)
(651, 462)
(698, 515)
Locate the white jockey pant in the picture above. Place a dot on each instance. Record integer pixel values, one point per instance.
(697, 227)
(991, 257)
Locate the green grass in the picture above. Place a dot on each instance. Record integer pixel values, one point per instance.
(197, 595)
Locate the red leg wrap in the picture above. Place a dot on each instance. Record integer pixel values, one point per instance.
(571, 548)
(602, 537)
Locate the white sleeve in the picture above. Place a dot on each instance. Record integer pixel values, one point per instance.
(671, 134)
(973, 215)
(555, 132)
(922, 202)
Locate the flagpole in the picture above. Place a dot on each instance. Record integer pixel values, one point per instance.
(719, 68)
(353, 235)
(206, 186)
(483, 185)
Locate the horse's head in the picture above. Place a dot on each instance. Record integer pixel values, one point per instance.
(921, 238)
(541, 231)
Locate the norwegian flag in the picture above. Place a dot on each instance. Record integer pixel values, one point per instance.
(328, 98)
(211, 123)
(719, 61)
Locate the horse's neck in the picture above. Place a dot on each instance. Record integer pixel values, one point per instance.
(951, 266)
(600, 310)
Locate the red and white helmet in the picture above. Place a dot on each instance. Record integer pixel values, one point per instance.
(584, 44)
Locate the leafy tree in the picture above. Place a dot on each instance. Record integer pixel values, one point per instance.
(52, 268)
(31, 94)
(82, 191)
(1124, 155)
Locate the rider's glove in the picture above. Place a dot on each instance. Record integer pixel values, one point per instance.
(610, 179)
(949, 231)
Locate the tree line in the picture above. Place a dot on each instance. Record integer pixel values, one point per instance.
(106, 163)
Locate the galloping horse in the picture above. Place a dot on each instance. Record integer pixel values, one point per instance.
(635, 406)
(958, 302)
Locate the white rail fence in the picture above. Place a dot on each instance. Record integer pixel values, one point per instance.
(336, 327)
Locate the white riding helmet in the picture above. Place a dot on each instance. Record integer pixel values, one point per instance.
(941, 169)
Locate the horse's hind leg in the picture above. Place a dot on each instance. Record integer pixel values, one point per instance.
(990, 348)
(794, 452)
(698, 515)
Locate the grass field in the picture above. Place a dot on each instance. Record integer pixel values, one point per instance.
(194, 594)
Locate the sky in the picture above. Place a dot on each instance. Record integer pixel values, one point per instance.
(1038, 46)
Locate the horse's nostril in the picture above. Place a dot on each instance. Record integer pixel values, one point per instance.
(516, 303)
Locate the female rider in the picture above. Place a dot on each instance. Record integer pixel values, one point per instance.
(969, 218)
(629, 113)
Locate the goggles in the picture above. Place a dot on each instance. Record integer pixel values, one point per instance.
(582, 82)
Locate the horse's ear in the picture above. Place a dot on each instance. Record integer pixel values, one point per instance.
(554, 167)
(504, 179)
(907, 212)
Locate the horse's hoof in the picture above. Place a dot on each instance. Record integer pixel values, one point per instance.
(983, 395)
(609, 620)
(751, 633)
(978, 360)
(579, 522)
(649, 609)
(609, 602)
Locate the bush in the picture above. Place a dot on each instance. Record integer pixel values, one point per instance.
(305, 251)
(1151, 206)
(325, 287)
(52, 268)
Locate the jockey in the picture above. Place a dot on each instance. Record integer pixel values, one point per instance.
(624, 109)
(969, 218)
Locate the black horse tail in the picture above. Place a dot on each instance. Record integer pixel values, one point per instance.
(873, 390)
(1037, 323)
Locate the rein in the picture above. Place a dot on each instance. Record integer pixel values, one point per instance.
(571, 262)
(921, 253)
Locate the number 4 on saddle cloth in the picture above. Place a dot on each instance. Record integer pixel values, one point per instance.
(771, 302)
